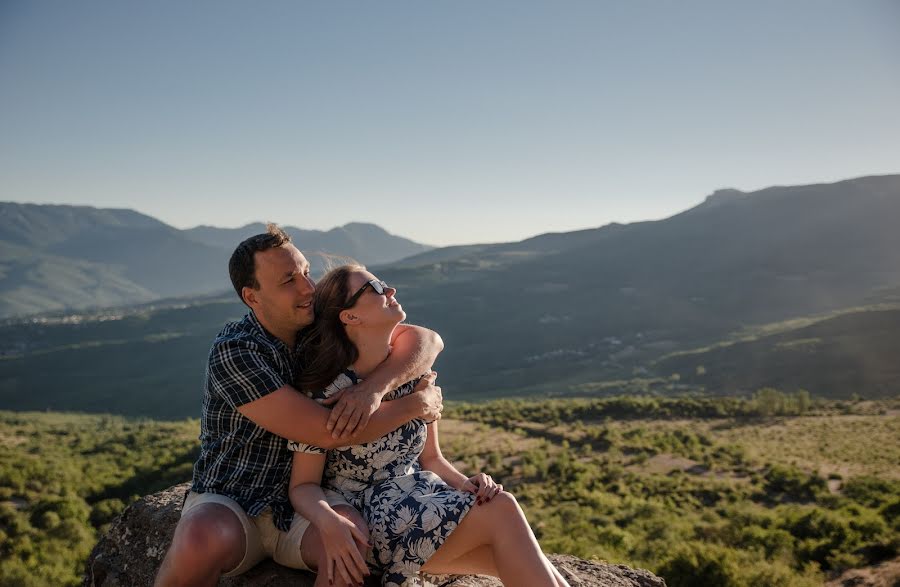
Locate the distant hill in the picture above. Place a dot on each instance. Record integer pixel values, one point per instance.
(852, 353)
(551, 313)
(76, 257)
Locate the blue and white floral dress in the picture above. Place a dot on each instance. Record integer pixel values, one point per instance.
(410, 512)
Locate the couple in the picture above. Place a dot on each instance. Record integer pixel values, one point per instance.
(382, 471)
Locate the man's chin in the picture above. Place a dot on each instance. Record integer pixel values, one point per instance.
(302, 321)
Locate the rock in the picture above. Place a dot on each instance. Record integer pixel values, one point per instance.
(131, 551)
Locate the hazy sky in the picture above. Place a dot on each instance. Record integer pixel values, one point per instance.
(447, 122)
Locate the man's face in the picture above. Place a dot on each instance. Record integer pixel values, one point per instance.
(285, 294)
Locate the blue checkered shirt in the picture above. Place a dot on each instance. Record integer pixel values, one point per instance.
(239, 459)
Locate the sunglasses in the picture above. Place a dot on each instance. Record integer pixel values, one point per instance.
(377, 286)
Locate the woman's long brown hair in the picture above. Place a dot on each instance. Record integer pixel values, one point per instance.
(325, 348)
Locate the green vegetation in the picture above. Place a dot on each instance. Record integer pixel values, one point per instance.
(64, 477)
(770, 490)
(713, 492)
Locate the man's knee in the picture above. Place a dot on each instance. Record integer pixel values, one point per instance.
(210, 532)
(313, 551)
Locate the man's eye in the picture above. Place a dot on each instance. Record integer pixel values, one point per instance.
(290, 279)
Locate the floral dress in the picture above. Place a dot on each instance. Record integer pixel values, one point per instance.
(410, 512)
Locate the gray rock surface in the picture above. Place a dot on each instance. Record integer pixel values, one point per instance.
(131, 551)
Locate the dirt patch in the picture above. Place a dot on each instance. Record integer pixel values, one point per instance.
(663, 464)
(886, 574)
(12, 439)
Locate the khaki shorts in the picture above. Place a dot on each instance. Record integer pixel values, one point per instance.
(264, 540)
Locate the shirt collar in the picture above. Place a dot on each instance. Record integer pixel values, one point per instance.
(257, 325)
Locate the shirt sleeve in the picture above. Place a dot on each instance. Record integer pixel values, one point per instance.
(303, 447)
(241, 371)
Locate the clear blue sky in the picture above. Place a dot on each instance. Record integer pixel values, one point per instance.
(447, 122)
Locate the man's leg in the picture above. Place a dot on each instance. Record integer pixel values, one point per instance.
(302, 546)
(209, 540)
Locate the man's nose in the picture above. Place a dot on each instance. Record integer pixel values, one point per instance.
(306, 285)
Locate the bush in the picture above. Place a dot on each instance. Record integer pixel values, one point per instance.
(709, 565)
(784, 482)
(870, 491)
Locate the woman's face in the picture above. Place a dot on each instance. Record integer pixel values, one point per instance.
(372, 308)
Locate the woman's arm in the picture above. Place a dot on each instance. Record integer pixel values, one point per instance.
(414, 351)
(339, 535)
(432, 459)
(288, 413)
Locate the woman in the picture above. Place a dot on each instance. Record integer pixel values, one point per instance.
(423, 515)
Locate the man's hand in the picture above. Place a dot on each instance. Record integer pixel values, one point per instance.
(430, 397)
(355, 405)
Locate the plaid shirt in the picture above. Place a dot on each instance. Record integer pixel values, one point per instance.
(239, 459)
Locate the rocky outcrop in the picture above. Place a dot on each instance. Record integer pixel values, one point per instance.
(131, 551)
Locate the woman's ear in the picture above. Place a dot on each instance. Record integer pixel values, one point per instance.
(348, 317)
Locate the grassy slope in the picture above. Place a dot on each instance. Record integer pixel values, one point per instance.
(735, 501)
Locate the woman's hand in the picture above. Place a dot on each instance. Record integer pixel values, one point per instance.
(483, 486)
(343, 541)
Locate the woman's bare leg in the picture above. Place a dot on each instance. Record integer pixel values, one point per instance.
(480, 561)
(560, 580)
(499, 524)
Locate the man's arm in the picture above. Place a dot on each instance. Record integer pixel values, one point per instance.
(292, 415)
(414, 351)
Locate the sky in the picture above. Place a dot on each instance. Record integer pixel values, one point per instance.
(445, 122)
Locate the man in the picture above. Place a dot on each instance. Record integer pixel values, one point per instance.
(237, 512)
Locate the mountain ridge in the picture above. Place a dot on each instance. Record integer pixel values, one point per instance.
(602, 304)
(56, 257)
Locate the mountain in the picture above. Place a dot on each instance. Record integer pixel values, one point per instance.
(601, 303)
(74, 257)
(366, 243)
(547, 314)
(60, 257)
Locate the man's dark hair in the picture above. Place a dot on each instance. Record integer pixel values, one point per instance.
(242, 265)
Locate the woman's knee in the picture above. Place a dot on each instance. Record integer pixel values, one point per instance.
(498, 512)
(507, 502)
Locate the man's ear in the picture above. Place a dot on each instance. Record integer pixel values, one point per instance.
(248, 294)
(348, 317)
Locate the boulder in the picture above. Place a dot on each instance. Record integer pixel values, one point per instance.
(131, 551)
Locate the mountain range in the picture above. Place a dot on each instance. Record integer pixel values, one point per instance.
(77, 257)
(566, 312)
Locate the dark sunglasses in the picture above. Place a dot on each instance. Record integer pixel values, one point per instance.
(377, 286)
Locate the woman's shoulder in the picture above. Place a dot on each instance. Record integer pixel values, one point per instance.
(344, 379)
